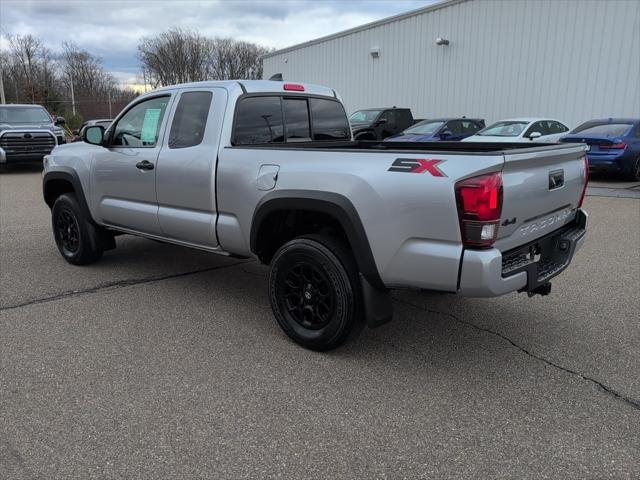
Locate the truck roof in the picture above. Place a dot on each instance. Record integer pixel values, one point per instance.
(256, 86)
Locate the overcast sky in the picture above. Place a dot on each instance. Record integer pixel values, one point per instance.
(111, 29)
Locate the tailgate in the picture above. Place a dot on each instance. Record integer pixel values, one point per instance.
(541, 192)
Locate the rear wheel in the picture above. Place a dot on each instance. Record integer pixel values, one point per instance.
(315, 293)
(633, 170)
(74, 234)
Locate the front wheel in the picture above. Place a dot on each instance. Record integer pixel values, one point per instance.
(75, 236)
(315, 293)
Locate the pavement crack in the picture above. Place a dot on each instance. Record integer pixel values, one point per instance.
(116, 284)
(605, 388)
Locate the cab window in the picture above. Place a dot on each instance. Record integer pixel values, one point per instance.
(296, 118)
(190, 119)
(259, 121)
(329, 120)
(140, 126)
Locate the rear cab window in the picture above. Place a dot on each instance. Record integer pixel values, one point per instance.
(270, 119)
(329, 120)
(296, 118)
(258, 121)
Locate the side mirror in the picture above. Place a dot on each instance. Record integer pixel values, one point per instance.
(59, 121)
(534, 135)
(93, 135)
(446, 134)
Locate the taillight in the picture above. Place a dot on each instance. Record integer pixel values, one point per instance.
(293, 86)
(479, 208)
(586, 180)
(615, 146)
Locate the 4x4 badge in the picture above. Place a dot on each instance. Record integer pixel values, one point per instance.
(417, 165)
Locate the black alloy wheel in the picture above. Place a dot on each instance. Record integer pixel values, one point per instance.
(315, 292)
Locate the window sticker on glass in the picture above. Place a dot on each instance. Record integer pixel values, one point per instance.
(150, 126)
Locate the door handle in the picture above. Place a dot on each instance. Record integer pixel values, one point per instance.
(144, 165)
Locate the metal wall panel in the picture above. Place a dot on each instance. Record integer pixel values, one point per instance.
(568, 59)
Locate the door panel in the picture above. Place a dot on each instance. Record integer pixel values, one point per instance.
(185, 174)
(123, 187)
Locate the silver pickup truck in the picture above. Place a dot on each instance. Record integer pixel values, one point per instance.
(269, 170)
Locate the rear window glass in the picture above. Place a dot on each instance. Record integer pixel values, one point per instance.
(329, 120)
(190, 119)
(296, 117)
(259, 121)
(605, 129)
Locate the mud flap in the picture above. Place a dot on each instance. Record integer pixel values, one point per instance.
(378, 307)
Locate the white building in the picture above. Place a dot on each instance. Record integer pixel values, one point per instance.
(568, 59)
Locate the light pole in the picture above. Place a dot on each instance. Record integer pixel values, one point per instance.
(73, 97)
(2, 99)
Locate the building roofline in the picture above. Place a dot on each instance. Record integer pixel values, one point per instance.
(366, 26)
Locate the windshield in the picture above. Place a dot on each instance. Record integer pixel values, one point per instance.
(364, 116)
(504, 129)
(424, 128)
(24, 115)
(604, 129)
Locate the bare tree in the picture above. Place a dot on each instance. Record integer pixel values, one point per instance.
(179, 56)
(25, 51)
(175, 56)
(235, 59)
(32, 73)
(85, 70)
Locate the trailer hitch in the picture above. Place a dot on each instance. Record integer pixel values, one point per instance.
(544, 289)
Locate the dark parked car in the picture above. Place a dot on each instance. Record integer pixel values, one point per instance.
(103, 122)
(28, 133)
(439, 129)
(614, 145)
(380, 123)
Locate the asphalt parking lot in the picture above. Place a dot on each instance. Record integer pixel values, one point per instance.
(162, 362)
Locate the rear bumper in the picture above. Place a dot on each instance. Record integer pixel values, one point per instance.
(490, 273)
(604, 162)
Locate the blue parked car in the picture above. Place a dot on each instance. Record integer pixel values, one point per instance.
(614, 145)
(439, 129)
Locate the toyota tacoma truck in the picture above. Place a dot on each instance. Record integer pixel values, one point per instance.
(28, 133)
(269, 170)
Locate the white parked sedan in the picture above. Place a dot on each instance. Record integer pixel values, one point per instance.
(521, 130)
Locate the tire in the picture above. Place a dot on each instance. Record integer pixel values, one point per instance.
(75, 235)
(315, 292)
(633, 170)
